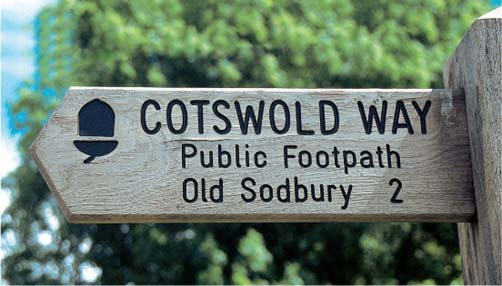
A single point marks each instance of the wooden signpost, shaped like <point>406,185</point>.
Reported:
<point>287,155</point>
<point>476,67</point>
<point>259,155</point>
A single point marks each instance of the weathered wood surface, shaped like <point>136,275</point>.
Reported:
<point>141,181</point>
<point>476,66</point>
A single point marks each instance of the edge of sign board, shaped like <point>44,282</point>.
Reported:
<point>42,169</point>
<point>264,218</point>
<point>275,89</point>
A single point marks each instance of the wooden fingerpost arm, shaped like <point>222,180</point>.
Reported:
<point>476,66</point>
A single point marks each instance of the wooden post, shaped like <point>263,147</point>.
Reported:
<point>476,66</point>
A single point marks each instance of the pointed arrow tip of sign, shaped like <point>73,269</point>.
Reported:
<point>37,151</point>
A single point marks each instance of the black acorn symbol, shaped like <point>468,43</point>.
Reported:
<point>96,118</point>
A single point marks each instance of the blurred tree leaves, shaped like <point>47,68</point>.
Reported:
<point>261,43</point>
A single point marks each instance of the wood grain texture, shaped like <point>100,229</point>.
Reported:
<point>476,66</point>
<point>141,181</point>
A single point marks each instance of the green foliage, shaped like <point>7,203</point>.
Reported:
<point>213,274</point>
<point>261,43</point>
<point>254,261</point>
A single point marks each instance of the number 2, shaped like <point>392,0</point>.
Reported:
<point>394,198</point>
